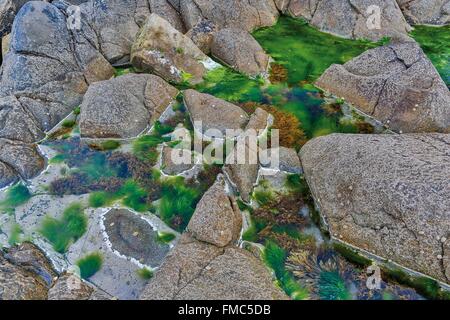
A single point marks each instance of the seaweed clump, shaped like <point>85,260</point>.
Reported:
<point>290,129</point>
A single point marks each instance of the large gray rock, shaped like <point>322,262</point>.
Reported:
<point>214,113</point>
<point>43,78</point>
<point>123,107</point>
<point>25,273</point>
<point>348,18</point>
<point>247,15</point>
<point>435,12</point>
<point>163,50</point>
<point>217,219</point>
<point>387,194</point>
<point>165,10</point>
<point>196,270</point>
<point>239,50</point>
<point>397,85</point>
<point>202,35</point>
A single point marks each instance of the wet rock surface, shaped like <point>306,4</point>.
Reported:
<point>397,85</point>
<point>133,237</point>
<point>374,199</point>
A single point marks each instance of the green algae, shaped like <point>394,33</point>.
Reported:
<point>165,237</point>
<point>332,286</point>
<point>145,273</point>
<point>15,196</point>
<point>435,42</point>
<point>15,235</point>
<point>304,51</point>
<point>90,265</point>
<point>62,233</point>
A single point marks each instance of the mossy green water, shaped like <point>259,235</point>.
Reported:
<point>435,42</point>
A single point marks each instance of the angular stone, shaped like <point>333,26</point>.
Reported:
<point>238,49</point>
<point>23,158</point>
<point>202,35</point>
<point>387,194</point>
<point>169,165</point>
<point>163,50</point>
<point>214,113</point>
<point>124,107</point>
<point>217,219</point>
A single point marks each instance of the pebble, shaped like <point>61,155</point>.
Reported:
<point>136,234</point>
<point>439,257</point>
<point>443,239</point>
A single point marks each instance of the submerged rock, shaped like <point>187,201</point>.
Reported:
<point>214,113</point>
<point>387,194</point>
<point>435,12</point>
<point>238,49</point>
<point>217,219</point>
<point>25,273</point>
<point>134,237</point>
<point>350,18</point>
<point>397,85</point>
<point>125,106</point>
<point>169,166</point>
<point>163,50</point>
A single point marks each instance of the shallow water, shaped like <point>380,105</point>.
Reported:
<point>124,176</point>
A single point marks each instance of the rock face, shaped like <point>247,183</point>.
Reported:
<point>8,10</point>
<point>245,15</point>
<point>397,85</point>
<point>238,49</point>
<point>163,50</point>
<point>25,273</point>
<point>43,78</point>
<point>349,18</point>
<point>436,12</point>
<point>214,113</point>
<point>387,194</point>
<point>217,219</point>
<point>288,160</point>
<point>124,107</point>
<point>198,269</point>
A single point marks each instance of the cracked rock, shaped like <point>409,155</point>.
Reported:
<point>398,205</point>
